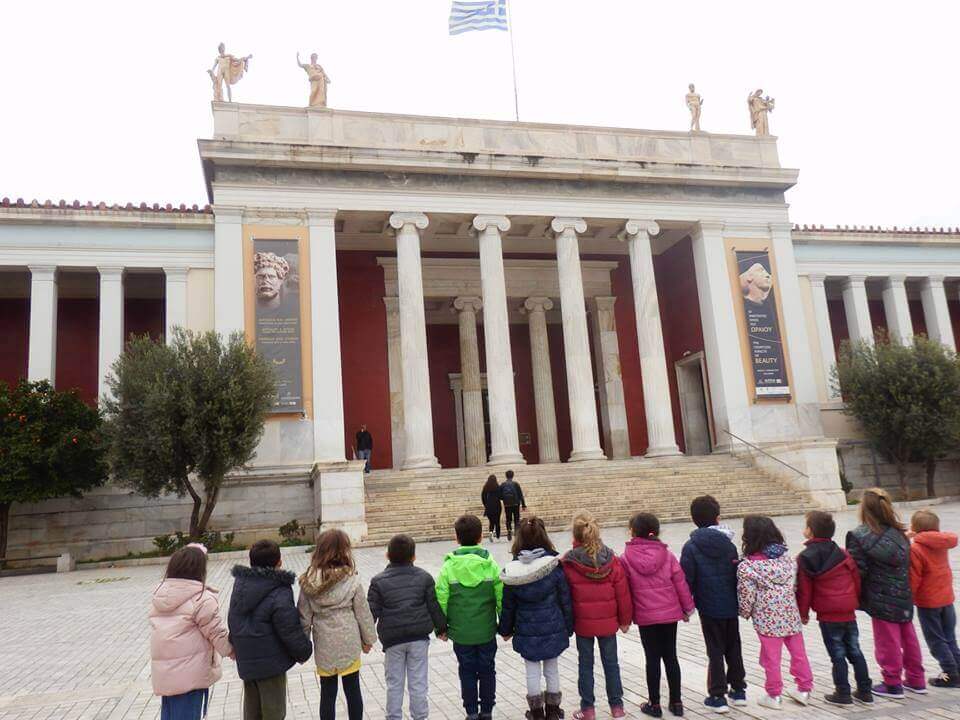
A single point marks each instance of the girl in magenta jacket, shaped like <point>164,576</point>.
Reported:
<point>661,599</point>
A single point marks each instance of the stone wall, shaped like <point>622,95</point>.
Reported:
<point>862,468</point>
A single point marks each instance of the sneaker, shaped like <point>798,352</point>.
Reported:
<point>676,708</point>
<point>837,698</point>
<point>916,689</point>
<point>616,711</point>
<point>891,691</point>
<point>486,716</point>
<point>473,717</point>
<point>651,710</point>
<point>801,697</point>
<point>945,680</point>
<point>737,697</point>
<point>585,714</point>
<point>717,703</point>
<point>863,696</point>
<point>768,701</point>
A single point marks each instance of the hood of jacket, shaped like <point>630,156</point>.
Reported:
<point>174,592</point>
<point>714,541</point>
<point>770,571</point>
<point>470,564</point>
<point>253,584</point>
<point>890,547</point>
<point>936,540</point>
<point>820,556</point>
<point>327,588</point>
<point>529,566</point>
<point>645,556</point>
<point>579,560</point>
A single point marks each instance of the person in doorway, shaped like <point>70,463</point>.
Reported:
<point>364,446</point>
<point>490,497</point>
<point>511,495</point>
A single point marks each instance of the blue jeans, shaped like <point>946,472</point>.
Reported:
<point>476,665</point>
<point>611,670</point>
<point>365,455</point>
<point>842,640</point>
<point>939,626</point>
<point>188,706</point>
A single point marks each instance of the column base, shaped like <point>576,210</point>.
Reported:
<point>422,462</point>
<point>582,455</point>
<point>507,459</point>
<point>663,451</point>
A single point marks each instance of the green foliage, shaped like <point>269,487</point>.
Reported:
<point>214,542</point>
<point>293,533</point>
<point>906,398</point>
<point>181,416</point>
<point>50,446</point>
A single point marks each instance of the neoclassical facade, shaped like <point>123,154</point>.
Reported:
<point>483,293</point>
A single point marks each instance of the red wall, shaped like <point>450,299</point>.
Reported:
<point>443,357</point>
<point>78,323</point>
<point>14,339</point>
<point>143,316</point>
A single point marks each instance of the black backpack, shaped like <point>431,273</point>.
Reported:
<point>508,494</point>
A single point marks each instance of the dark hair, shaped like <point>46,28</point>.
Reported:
<point>332,551</point>
<point>509,474</point>
<point>469,530</point>
<point>531,535</point>
<point>704,511</point>
<point>401,549</point>
<point>188,563</point>
<point>491,485</point>
<point>821,524</point>
<point>264,553</point>
<point>759,532</point>
<point>645,525</point>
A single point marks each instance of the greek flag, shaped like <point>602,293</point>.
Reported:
<point>477,15</point>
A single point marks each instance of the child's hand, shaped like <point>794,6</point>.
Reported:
<point>442,636</point>
<point>624,629</point>
<point>366,648</point>
<point>507,637</point>
<point>910,534</point>
<point>805,620</point>
<point>686,617</point>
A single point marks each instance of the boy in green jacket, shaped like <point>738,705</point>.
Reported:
<point>470,593</point>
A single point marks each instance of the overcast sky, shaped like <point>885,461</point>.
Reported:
<point>105,100</point>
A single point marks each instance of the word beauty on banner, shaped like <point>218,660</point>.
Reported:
<point>763,326</point>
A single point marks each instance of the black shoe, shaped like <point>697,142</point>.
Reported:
<point>945,680</point>
<point>838,698</point>
<point>486,716</point>
<point>676,708</point>
<point>651,709</point>
<point>864,696</point>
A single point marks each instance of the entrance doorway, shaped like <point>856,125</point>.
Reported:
<point>694,405</point>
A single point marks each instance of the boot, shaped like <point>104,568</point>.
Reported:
<point>552,702</point>
<point>536,707</point>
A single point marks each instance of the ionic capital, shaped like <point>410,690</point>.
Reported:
<point>855,281</point>
<point>418,220</point>
<point>635,227</point>
<point>482,222</point>
<point>817,279</point>
<point>537,304</point>
<point>602,303</point>
<point>468,304</point>
<point>561,225</point>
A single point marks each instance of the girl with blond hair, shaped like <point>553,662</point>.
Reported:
<point>601,606</point>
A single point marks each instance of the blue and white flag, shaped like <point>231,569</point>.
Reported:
<point>477,15</point>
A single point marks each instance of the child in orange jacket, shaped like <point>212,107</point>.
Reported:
<point>931,582</point>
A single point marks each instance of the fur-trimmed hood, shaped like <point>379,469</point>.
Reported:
<point>530,566</point>
<point>315,583</point>
<point>252,584</point>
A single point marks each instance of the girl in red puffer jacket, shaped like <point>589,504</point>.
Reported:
<point>601,605</point>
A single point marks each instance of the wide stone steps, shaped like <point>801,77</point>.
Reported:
<point>425,503</point>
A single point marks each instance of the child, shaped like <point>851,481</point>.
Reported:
<point>882,552</point>
<point>931,582</point>
<point>403,601</point>
<point>767,593</point>
<point>601,605</point>
<point>187,638</point>
<point>537,614</point>
<point>265,631</point>
<point>333,607</point>
<point>828,581</point>
<point>470,593</point>
<point>709,562</point>
<point>661,599</point>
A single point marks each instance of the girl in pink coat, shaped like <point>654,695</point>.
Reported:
<point>187,637</point>
<point>661,599</point>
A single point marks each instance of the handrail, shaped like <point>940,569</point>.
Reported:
<point>764,452</point>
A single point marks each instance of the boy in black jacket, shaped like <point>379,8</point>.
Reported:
<point>404,603</point>
<point>265,631</point>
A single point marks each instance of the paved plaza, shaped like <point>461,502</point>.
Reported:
<point>75,646</point>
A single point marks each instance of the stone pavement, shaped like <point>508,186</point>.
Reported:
<point>75,646</point>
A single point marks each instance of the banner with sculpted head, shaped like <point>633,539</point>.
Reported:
<point>276,283</point>
<point>763,327</point>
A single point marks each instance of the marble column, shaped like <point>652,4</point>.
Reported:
<point>857,310</point>
<point>536,309</point>
<point>474,437</point>
<point>897,309</point>
<point>228,270</point>
<point>501,396</point>
<point>328,425</point>
<point>935,311</point>
<point>606,357</point>
<point>576,343</point>
<point>821,313</point>
<point>417,417</point>
<point>661,436</point>
<point>42,352</point>
<point>111,323</point>
<point>395,379</point>
<point>175,299</point>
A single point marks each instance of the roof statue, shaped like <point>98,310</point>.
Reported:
<point>760,108</point>
<point>226,71</point>
<point>694,103</point>
<point>318,81</point>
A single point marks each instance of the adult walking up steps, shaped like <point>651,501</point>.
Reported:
<point>424,503</point>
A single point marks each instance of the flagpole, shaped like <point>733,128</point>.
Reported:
<point>513,59</point>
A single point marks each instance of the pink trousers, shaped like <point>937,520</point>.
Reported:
<point>898,653</point>
<point>771,649</point>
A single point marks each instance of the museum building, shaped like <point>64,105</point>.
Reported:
<point>481,295</point>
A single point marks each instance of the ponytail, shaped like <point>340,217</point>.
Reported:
<point>586,531</point>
